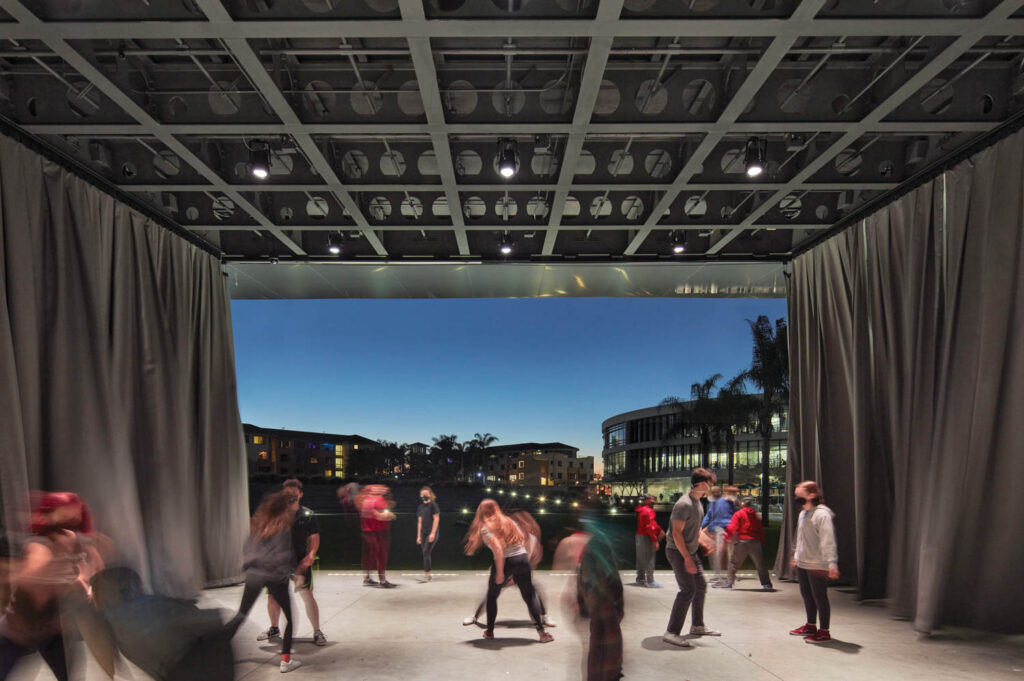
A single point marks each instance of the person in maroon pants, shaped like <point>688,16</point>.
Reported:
<point>375,520</point>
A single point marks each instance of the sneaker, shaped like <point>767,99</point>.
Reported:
<point>767,587</point>
<point>675,639</point>
<point>653,585</point>
<point>290,665</point>
<point>385,584</point>
<point>805,630</point>
<point>546,619</point>
<point>640,582</point>
<point>820,636</point>
<point>269,635</point>
<point>489,634</point>
<point>423,579</point>
<point>367,581</point>
<point>721,585</point>
<point>468,621</point>
<point>545,637</point>
<point>704,631</point>
<point>319,639</point>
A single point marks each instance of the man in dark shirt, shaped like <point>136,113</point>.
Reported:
<point>306,542</point>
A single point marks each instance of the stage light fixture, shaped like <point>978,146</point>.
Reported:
<point>259,159</point>
<point>508,157</point>
<point>755,156</point>
<point>333,245</point>
<point>505,245</point>
<point>678,243</point>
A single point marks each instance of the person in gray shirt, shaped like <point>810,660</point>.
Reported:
<point>681,545</point>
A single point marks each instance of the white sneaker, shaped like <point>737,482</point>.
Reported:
<point>704,631</point>
<point>546,619</point>
<point>675,639</point>
<point>468,621</point>
<point>290,665</point>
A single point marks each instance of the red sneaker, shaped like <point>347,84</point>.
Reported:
<point>806,630</point>
<point>820,636</point>
<point>488,634</point>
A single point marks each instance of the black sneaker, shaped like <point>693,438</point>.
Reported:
<point>385,584</point>
<point>269,635</point>
<point>367,581</point>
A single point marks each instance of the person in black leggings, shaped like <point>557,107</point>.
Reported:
<point>269,561</point>
<point>816,561</point>
<point>506,541</point>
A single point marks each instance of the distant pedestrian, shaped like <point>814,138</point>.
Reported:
<point>508,545</point>
<point>681,547</point>
<point>816,561</point>
<point>745,534</point>
<point>720,512</point>
<point>268,561</point>
<point>305,543</point>
<point>648,536</point>
<point>428,517</point>
<point>375,521</point>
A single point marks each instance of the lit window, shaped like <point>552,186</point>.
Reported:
<point>328,474</point>
<point>259,440</point>
<point>314,459</point>
<point>522,464</point>
<point>339,449</point>
<point>263,455</point>
<point>543,480</point>
<point>521,476</point>
<point>355,446</point>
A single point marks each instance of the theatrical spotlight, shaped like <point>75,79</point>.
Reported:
<point>333,245</point>
<point>259,159</point>
<point>508,157</point>
<point>505,245</point>
<point>755,156</point>
<point>678,243</point>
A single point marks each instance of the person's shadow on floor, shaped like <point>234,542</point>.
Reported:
<point>841,646</point>
<point>655,643</point>
<point>499,642</point>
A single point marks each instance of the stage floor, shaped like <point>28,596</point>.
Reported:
<point>415,632</point>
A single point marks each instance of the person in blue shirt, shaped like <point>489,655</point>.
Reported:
<point>720,511</point>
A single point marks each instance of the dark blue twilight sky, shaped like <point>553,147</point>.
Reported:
<point>525,370</point>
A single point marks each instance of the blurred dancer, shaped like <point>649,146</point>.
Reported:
<point>375,521</point>
<point>535,551</point>
<point>428,517</point>
<point>507,543</point>
<point>648,536</point>
<point>601,601</point>
<point>720,511</point>
<point>745,533</point>
<point>50,579</point>
<point>269,561</point>
<point>168,638</point>
<point>816,561</point>
<point>305,542</point>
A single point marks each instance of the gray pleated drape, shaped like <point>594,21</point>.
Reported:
<point>908,394</point>
<point>117,376</point>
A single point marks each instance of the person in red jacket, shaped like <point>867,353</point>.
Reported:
<point>747,533</point>
<point>648,535</point>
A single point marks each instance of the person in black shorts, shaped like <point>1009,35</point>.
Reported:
<point>306,542</point>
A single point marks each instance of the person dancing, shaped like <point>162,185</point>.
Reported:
<point>269,561</point>
<point>507,543</point>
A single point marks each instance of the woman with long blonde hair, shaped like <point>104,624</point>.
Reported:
<point>269,561</point>
<point>507,543</point>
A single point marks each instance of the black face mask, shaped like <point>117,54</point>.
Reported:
<point>424,499</point>
<point>800,501</point>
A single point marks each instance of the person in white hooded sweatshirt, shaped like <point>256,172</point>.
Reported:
<point>816,561</point>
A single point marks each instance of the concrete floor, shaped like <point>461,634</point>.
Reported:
<point>415,632</point>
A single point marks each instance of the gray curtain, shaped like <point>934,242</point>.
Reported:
<point>908,390</point>
<point>117,376</point>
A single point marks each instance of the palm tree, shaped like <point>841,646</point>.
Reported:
<point>443,453</point>
<point>701,412</point>
<point>769,371</point>
<point>476,447</point>
<point>735,407</point>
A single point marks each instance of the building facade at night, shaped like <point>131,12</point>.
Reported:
<point>302,453</point>
<point>532,464</point>
<point>638,455</point>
